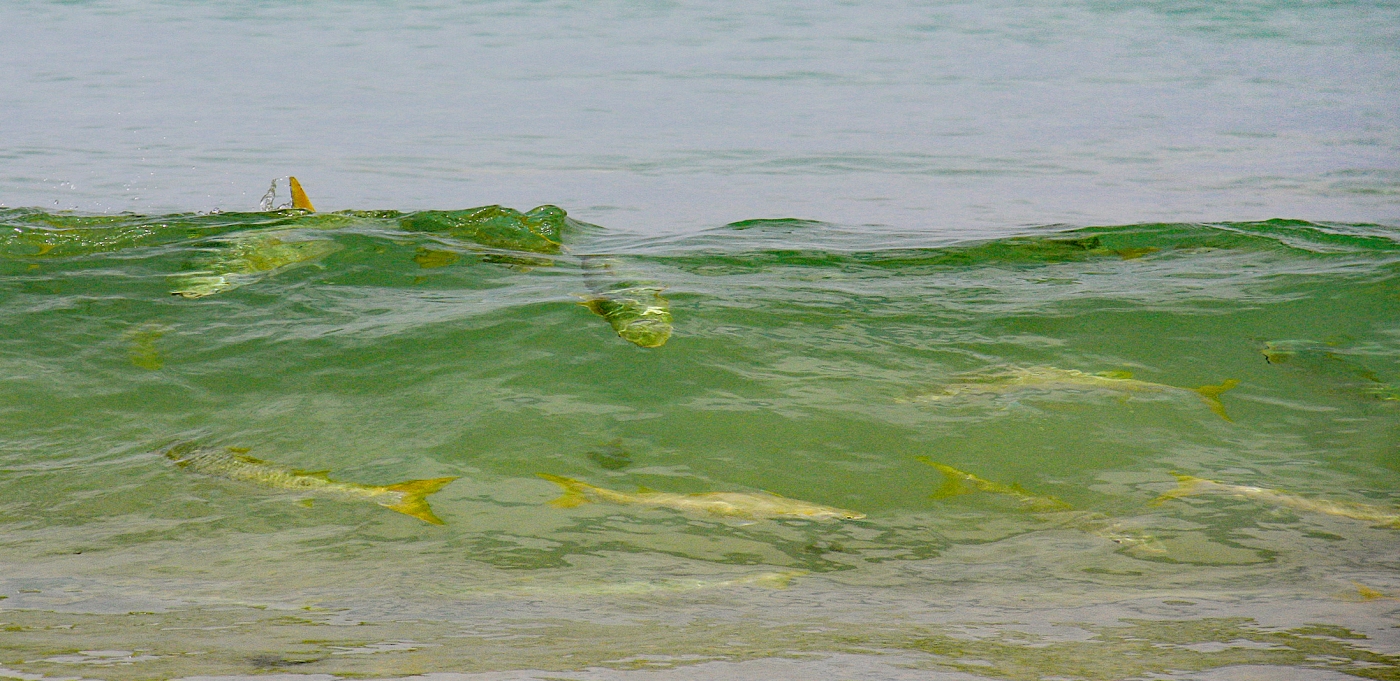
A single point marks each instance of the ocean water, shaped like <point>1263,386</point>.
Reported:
<point>1091,311</point>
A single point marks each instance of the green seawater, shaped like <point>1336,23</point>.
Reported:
<point>801,361</point>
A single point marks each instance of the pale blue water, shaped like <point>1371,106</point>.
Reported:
<point>978,190</point>
<point>659,116</point>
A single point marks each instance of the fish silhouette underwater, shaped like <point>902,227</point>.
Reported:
<point>1049,508</point>
<point>1189,485</point>
<point>635,310</point>
<point>745,505</point>
<point>408,497</point>
<point>1046,379</point>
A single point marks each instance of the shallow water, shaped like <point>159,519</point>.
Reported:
<point>822,373</point>
<point>871,229</point>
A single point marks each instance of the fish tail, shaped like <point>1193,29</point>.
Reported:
<point>1210,394</point>
<point>1186,485</point>
<point>299,198</point>
<point>573,491</point>
<point>955,482</point>
<point>413,502</point>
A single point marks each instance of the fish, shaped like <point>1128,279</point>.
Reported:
<point>1189,485</point>
<point>638,314</point>
<point>1098,524</point>
<point>1045,378</point>
<point>754,506</point>
<point>636,311</point>
<point>1332,364</point>
<point>777,580</point>
<point>958,482</point>
<point>408,497</point>
<point>248,259</point>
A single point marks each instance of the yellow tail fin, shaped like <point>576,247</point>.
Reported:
<point>1210,394</point>
<point>1186,485</point>
<point>299,199</point>
<point>413,502</point>
<point>573,491</point>
<point>955,482</point>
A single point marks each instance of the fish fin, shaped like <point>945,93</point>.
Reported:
<point>324,475</point>
<point>1115,374</point>
<point>306,502</point>
<point>954,480</point>
<point>414,502</point>
<point>240,450</point>
<point>1366,593</point>
<point>1210,394</point>
<point>1186,485</point>
<point>775,580</point>
<point>573,491</point>
<point>299,199</point>
<point>646,490</point>
<point>248,459</point>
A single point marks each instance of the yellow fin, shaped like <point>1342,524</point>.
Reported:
<point>240,450</point>
<point>1115,374</point>
<point>299,199</point>
<point>646,490</point>
<point>573,491</point>
<point>413,502</point>
<point>324,475</point>
<point>954,480</point>
<point>1366,593</point>
<point>1186,485</point>
<point>1210,394</point>
<point>305,502</point>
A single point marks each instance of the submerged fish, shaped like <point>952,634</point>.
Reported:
<point>958,482</point>
<point>1326,361</point>
<point>246,260</point>
<point>405,497</point>
<point>637,312</point>
<point>1188,485</point>
<point>731,504</point>
<point>1047,507</point>
<point>768,580</point>
<point>1044,378</point>
<point>639,315</point>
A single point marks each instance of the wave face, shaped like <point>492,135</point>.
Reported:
<point>816,361</point>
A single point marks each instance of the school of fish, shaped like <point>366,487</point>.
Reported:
<point>639,314</point>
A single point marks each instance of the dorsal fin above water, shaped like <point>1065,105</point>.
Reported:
<point>299,198</point>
